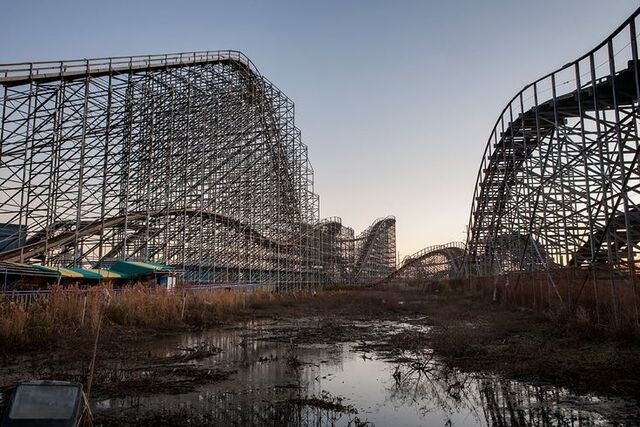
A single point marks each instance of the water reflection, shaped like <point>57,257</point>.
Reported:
<point>488,400</point>
<point>273,381</point>
<point>434,388</point>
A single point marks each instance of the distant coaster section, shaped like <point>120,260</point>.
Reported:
<point>434,263</point>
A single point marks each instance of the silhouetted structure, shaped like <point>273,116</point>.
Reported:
<point>559,181</point>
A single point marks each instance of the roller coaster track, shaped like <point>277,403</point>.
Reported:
<point>189,159</point>
<point>38,247</point>
<point>560,168</point>
<point>436,262</point>
<point>375,250</point>
<point>328,230</point>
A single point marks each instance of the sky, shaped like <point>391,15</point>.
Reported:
<point>395,99</point>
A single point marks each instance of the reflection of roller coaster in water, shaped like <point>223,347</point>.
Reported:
<point>192,160</point>
<point>493,401</point>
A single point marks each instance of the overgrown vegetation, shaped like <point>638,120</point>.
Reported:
<point>72,313</point>
<point>464,327</point>
<point>591,299</point>
<point>66,312</point>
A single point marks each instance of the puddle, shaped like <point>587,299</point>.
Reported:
<point>270,379</point>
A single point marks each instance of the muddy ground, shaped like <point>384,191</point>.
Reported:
<point>465,334</point>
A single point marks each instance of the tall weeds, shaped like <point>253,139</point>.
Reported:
<point>599,298</point>
<point>70,311</point>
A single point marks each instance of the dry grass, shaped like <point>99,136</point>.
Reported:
<point>73,313</point>
<point>588,298</point>
<point>62,312</point>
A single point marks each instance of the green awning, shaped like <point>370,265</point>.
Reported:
<point>61,271</point>
<point>119,270</point>
<point>87,274</point>
<point>107,274</point>
<point>163,267</point>
<point>130,269</point>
